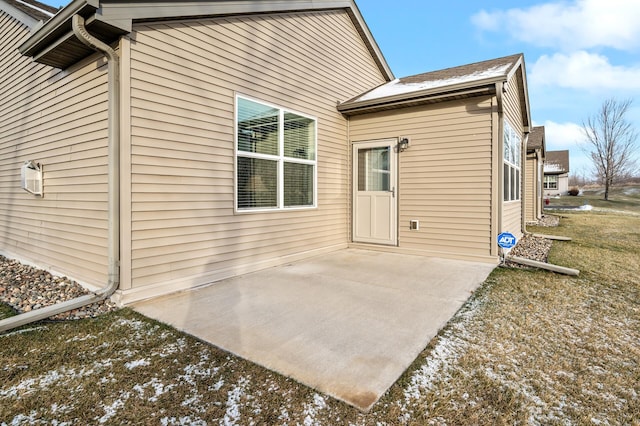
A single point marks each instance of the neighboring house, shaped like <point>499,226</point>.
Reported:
<point>556,173</point>
<point>534,178</point>
<point>209,143</point>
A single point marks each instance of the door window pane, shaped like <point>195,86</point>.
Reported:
<point>374,172</point>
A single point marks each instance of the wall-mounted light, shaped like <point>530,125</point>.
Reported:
<point>403,143</point>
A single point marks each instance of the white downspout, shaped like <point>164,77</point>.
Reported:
<point>113,244</point>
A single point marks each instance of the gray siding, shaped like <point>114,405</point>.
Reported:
<point>57,119</point>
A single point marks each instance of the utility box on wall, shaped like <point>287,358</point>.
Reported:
<point>31,177</point>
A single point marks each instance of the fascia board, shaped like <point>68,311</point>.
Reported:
<point>59,20</point>
<point>166,10</point>
<point>423,94</point>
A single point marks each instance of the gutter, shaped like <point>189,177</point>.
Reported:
<point>113,245</point>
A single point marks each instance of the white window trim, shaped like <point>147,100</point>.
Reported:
<point>506,161</point>
<point>548,180</point>
<point>280,158</point>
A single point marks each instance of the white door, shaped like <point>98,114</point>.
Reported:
<point>374,198</point>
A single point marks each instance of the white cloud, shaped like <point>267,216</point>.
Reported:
<point>561,136</point>
<point>580,24</point>
<point>583,70</point>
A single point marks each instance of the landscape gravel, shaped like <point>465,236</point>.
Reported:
<point>533,247</point>
<point>26,288</point>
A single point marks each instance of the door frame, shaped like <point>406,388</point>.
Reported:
<point>392,143</point>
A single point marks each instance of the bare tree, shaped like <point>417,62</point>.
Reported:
<point>611,143</point>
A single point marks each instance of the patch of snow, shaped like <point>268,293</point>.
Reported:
<point>24,330</point>
<point>137,363</point>
<point>553,168</point>
<point>396,87</point>
<point>112,410</point>
<point>158,389</point>
<point>311,410</point>
<point>217,385</point>
<point>81,339</point>
<point>166,421</point>
<point>232,415</point>
<point>21,419</point>
<point>586,207</point>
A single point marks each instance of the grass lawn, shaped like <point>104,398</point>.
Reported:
<point>530,347</point>
<point>625,198</point>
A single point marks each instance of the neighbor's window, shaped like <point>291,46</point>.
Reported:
<point>275,157</point>
<point>551,182</point>
<point>512,153</point>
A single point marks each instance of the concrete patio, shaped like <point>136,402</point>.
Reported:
<point>347,324</point>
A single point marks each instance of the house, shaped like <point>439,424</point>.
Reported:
<point>160,148</point>
<point>534,170</point>
<point>556,173</point>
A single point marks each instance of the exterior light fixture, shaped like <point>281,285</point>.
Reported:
<point>403,143</point>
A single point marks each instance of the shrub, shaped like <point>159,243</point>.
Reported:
<point>574,191</point>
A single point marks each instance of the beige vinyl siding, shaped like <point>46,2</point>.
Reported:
<point>57,119</point>
<point>444,176</point>
<point>184,78</point>
<point>512,210</point>
<point>530,187</point>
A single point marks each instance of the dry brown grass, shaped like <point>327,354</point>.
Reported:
<point>530,347</point>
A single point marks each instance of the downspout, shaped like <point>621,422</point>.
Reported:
<point>113,245</point>
<point>500,105</point>
<point>523,184</point>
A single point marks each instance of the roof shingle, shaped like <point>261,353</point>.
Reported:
<point>556,162</point>
<point>37,10</point>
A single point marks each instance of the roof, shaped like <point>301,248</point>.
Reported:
<point>55,44</point>
<point>29,12</point>
<point>464,81</point>
<point>556,162</point>
<point>536,139</point>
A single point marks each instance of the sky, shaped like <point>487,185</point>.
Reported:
<point>577,52</point>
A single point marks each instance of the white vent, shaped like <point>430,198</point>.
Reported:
<point>31,177</point>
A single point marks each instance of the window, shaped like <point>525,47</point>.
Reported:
<point>512,153</point>
<point>551,182</point>
<point>275,157</point>
<point>374,173</point>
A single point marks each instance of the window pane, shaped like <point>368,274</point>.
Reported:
<point>257,183</point>
<point>517,185</point>
<point>257,127</point>
<point>507,142</point>
<point>512,183</point>
<point>298,184</point>
<point>505,175</point>
<point>299,137</point>
<point>373,169</point>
